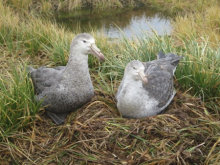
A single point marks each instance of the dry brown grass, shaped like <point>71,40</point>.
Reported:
<point>96,134</point>
<point>178,6</point>
<point>203,26</point>
<point>46,6</point>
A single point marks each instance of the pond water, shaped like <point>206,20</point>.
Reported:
<point>112,21</point>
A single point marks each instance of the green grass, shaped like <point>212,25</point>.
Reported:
<point>198,70</point>
<point>188,131</point>
<point>17,105</point>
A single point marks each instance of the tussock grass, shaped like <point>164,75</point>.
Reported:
<point>186,133</point>
<point>171,6</point>
<point>17,108</point>
<point>199,71</point>
<point>200,26</point>
<point>46,6</point>
<point>177,6</point>
<point>195,20</point>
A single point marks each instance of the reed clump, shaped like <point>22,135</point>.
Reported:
<point>200,26</point>
<point>46,6</point>
<point>17,106</point>
<point>182,7</point>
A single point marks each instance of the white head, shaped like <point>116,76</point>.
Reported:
<point>135,70</point>
<point>85,44</point>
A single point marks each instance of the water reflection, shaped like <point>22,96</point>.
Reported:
<point>130,21</point>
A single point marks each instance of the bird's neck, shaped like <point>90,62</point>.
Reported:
<point>132,80</point>
<point>77,65</point>
<point>133,84</point>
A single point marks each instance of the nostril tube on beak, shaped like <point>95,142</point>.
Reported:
<point>145,80</point>
<point>143,77</point>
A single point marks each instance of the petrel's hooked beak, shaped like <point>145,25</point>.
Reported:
<point>143,76</point>
<point>96,52</point>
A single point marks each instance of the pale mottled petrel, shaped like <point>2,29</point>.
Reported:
<point>147,88</point>
<point>66,88</point>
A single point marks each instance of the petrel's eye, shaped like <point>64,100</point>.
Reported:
<point>84,41</point>
<point>134,68</point>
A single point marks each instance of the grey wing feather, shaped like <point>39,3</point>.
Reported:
<point>44,77</point>
<point>173,58</point>
<point>119,89</point>
<point>160,87</point>
<point>160,81</point>
<point>160,77</point>
<point>161,55</point>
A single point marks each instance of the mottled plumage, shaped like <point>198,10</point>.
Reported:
<point>66,88</point>
<point>147,88</point>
